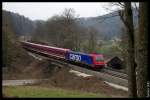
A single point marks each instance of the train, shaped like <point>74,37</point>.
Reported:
<point>94,60</point>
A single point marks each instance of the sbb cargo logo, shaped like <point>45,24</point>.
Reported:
<point>74,57</point>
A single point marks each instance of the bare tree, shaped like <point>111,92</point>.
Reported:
<point>92,38</point>
<point>40,32</point>
<point>126,17</point>
<point>64,30</point>
<point>55,30</point>
<point>142,50</point>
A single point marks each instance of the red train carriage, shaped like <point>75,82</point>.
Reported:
<point>48,50</point>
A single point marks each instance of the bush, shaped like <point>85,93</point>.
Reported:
<point>110,50</point>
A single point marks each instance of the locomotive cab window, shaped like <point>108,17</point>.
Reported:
<point>99,58</point>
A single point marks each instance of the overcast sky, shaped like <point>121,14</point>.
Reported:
<point>43,11</point>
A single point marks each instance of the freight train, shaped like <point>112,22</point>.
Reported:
<point>95,61</point>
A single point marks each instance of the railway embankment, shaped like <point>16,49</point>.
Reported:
<point>62,78</point>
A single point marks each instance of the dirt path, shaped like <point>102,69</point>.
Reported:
<point>17,82</point>
<point>21,82</point>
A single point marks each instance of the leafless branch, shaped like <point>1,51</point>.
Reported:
<point>122,17</point>
<point>109,9</point>
<point>118,4</point>
<point>136,6</point>
<point>121,4</point>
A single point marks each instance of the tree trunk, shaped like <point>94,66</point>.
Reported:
<point>130,50</point>
<point>142,50</point>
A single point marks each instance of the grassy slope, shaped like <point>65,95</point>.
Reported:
<point>37,92</point>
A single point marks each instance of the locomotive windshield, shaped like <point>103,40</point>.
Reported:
<point>99,58</point>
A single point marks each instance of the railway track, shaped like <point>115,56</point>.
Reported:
<point>115,73</point>
<point>121,71</point>
<point>102,75</point>
<point>105,74</point>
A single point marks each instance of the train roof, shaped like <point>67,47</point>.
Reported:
<point>78,52</point>
<point>96,54</point>
<point>47,46</point>
<point>81,53</point>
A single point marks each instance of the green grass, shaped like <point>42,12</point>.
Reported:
<point>43,92</point>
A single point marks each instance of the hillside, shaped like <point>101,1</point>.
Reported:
<point>110,27</point>
<point>14,57</point>
<point>20,24</point>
